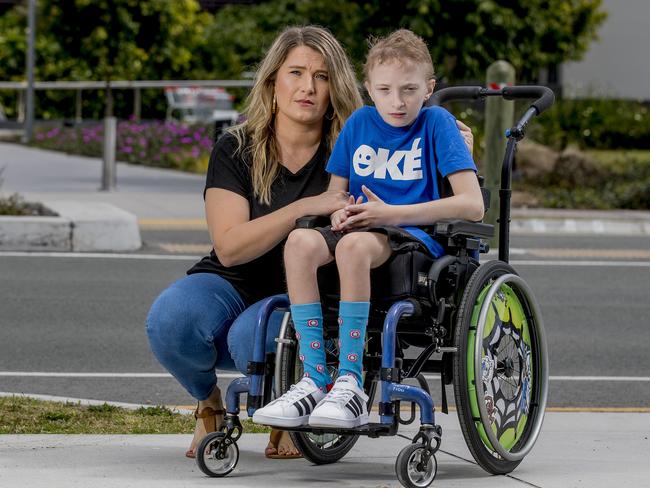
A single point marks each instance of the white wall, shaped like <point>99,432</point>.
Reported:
<point>618,64</point>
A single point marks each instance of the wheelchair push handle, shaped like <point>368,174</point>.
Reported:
<point>544,96</point>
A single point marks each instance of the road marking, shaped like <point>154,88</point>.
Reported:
<point>59,374</point>
<point>630,264</point>
<point>188,257</point>
<point>599,378</point>
<point>202,249</point>
<point>590,253</point>
<point>99,255</point>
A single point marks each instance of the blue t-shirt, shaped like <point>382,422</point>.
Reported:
<point>399,164</point>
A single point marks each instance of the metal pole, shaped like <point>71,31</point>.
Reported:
<point>499,116</point>
<point>78,108</point>
<point>137,104</point>
<point>110,141</point>
<point>29,108</point>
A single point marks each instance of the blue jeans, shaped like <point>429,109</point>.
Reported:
<point>201,323</point>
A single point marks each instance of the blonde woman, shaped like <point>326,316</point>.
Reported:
<point>262,176</point>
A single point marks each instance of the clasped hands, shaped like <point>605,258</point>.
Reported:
<point>356,214</point>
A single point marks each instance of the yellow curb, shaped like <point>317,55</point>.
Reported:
<point>166,224</point>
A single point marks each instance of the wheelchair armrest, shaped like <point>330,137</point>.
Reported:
<point>453,228</point>
<point>311,221</point>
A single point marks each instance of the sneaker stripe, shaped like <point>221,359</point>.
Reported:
<point>298,407</point>
<point>358,403</point>
<point>305,404</point>
<point>352,408</point>
<point>313,401</point>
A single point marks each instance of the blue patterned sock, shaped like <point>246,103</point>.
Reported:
<point>353,318</point>
<point>308,321</point>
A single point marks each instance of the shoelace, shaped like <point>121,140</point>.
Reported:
<point>296,391</point>
<point>339,395</point>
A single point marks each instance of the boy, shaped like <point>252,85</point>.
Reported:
<point>388,154</point>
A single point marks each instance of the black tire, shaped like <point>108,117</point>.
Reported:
<point>217,456</point>
<point>409,469</point>
<point>317,449</point>
<point>515,371</point>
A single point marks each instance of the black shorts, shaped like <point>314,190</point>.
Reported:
<point>398,239</point>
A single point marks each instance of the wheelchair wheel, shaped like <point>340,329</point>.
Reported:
<point>216,455</point>
<point>501,380</point>
<point>415,467</point>
<point>318,449</point>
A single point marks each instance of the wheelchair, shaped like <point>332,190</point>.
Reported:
<point>478,326</point>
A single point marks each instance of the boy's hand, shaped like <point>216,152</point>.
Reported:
<point>370,214</point>
<point>340,216</point>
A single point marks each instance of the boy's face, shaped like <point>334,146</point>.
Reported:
<point>399,89</point>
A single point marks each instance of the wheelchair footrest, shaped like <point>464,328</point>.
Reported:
<point>370,430</point>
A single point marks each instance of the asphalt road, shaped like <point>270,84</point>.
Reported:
<point>70,316</point>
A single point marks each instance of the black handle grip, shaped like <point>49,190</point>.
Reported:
<point>544,96</point>
<point>455,93</point>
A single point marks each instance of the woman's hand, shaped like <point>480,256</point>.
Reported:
<point>370,214</point>
<point>468,137</point>
<point>340,216</point>
<point>326,203</point>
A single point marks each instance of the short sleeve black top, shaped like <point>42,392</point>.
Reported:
<point>230,170</point>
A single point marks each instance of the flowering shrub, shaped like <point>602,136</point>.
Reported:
<point>161,144</point>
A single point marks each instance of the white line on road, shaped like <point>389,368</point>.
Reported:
<point>51,374</point>
<point>628,264</point>
<point>178,257</point>
<point>187,257</point>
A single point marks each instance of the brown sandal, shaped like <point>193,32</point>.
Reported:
<point>271,451</point>
<point>208,417</point>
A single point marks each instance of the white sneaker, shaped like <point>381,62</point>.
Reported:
<point>345,406</point>
<point>293,408</point>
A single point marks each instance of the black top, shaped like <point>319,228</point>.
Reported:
<point>263,276</point>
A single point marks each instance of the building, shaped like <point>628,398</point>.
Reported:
<point>618,64</point>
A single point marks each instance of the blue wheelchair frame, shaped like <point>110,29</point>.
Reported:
<point>258,382</point>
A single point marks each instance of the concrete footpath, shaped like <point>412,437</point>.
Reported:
<point>577,449</point>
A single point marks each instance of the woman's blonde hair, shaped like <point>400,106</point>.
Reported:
<point>256,134</point>
<point>401,45</point>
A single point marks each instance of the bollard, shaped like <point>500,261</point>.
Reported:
<point>110,141</point>
<point>499,116</point>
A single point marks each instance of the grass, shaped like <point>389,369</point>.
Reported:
<point>22,415</point>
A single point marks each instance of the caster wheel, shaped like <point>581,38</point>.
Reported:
<point>416,466</point>
<point>217,455</point>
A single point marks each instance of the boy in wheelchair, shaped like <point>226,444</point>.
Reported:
<point>388,157</point>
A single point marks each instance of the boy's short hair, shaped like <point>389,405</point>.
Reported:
<point>399,46</point>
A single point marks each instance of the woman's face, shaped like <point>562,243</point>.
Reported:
<point>302,87</point>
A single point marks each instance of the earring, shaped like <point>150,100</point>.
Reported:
<point>274,105</point>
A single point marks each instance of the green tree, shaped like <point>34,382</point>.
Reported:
<point>465,36</point>
<point>105,40</point>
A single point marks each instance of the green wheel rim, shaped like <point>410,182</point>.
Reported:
<point>507,367</point>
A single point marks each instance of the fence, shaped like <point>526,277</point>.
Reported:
<point>136,85</point>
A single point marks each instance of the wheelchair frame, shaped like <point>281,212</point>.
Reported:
<point>416,465</point>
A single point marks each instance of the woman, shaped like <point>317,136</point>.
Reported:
<point>263,175</point>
